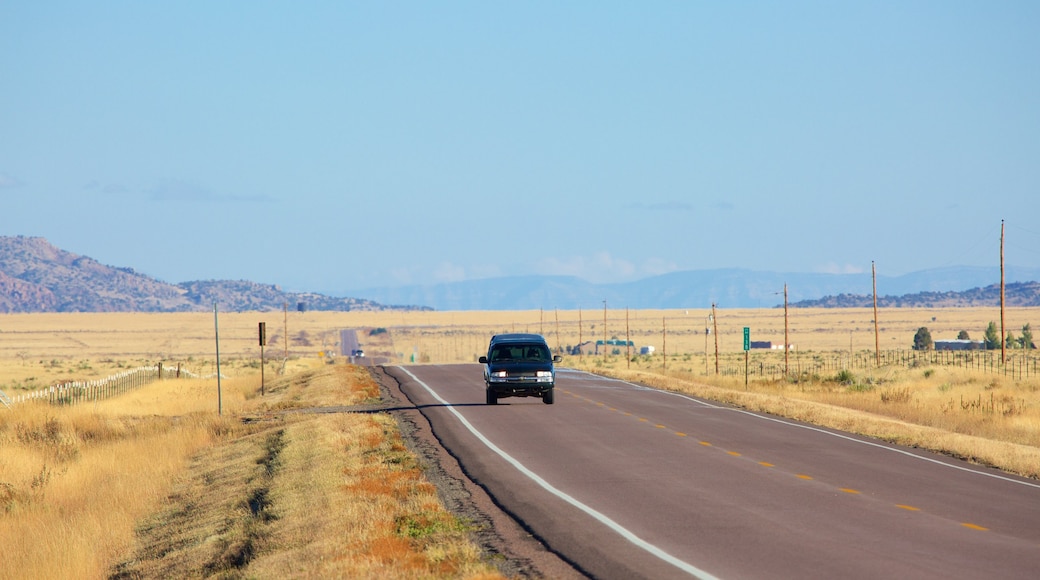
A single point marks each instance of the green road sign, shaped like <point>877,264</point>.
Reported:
<point>747,338</point>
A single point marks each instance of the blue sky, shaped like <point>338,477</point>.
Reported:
<point>334,146</point>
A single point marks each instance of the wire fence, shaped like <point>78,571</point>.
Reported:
<point>72,392</point>
<point>1019,365</point>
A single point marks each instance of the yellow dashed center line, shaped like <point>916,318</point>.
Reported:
<point>802,476</point>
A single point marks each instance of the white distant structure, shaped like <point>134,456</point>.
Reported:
<point>769,344</point>
<point>960,344</point>
<point>647,350</point>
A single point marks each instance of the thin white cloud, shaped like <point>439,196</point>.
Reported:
<point>833,268</point>
<point>8,181</point>
<point>178,190</point>
<point>106,188</point>
<point>603,267</point>
<point>665,206</point>
<point>448,272</point>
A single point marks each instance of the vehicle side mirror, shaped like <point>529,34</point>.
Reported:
<point>557,359</point>
<point>482,360</point>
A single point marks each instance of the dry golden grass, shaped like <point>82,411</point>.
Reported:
<point>31,343</point>
<point>73,481</point>
<point>253,493</point>
<point>139,444</point>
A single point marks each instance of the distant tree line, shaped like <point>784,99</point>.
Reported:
<point>923,338</point>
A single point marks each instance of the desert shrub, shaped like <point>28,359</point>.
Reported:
<point>845,377</point>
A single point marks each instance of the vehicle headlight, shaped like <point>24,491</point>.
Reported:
<point>544,376</point>
<point>499,375</point>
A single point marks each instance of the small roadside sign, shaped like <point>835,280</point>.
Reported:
<point>747,338</point>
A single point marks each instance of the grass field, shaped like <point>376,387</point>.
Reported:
<point>155,484</point>
<point>165,441</point>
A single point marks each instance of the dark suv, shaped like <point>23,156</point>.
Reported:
<point>519,365</point>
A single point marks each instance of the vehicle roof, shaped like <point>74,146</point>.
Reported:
<point>518,337</point>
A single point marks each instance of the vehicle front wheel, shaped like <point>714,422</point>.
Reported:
<point>547,397</point>
<point>492,398</point>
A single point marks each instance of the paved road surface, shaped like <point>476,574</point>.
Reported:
<point>629,482</point>
<point>348,343</point>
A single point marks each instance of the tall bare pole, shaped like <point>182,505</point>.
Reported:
<point>628,341</point>
<point>787,341</point>
<point>604,331</point>
<point>557,330</point>
<point>877,336</point>
<point>715,323</point>
<point>664,342</point>
<point>285,311</point>
<point>216,335</point>
<point>581,349</point>
<point>1003,335</point>
<point>707,331</point>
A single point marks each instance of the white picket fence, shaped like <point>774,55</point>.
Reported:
<point>78,391</point>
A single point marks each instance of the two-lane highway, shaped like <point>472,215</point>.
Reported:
<point>626,481</point>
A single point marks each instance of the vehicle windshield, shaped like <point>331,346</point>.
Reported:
<point>520,353</point>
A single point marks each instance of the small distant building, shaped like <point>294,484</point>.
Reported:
<point>648,349</point>
<point>769,344</point>
<point>596,348</point>
<point>960,344</point>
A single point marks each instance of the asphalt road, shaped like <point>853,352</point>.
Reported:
<point>629,482</point>
<point>348,344</point>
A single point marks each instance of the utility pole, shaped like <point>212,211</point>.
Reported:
<point>604,331</point>
<point>877,337</point>
<point>628,341</point>
<point>216,336</point>
<point>715,322</point>
<point>707,331</point>
<point>787,341</point>
<point>1003,335</point>
<point>557,311</point>
<point>581,347</point>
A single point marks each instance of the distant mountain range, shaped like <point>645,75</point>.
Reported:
<point>35,276</point>
<point>728,288</point>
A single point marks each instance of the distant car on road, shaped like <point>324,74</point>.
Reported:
<point>519,365</point>
<point>357,352</point>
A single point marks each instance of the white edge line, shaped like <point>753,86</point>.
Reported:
<point>790,423</point>
<point>620,530</point>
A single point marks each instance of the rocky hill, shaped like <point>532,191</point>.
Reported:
<point>35,276</point>
<point>1015,294</point>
